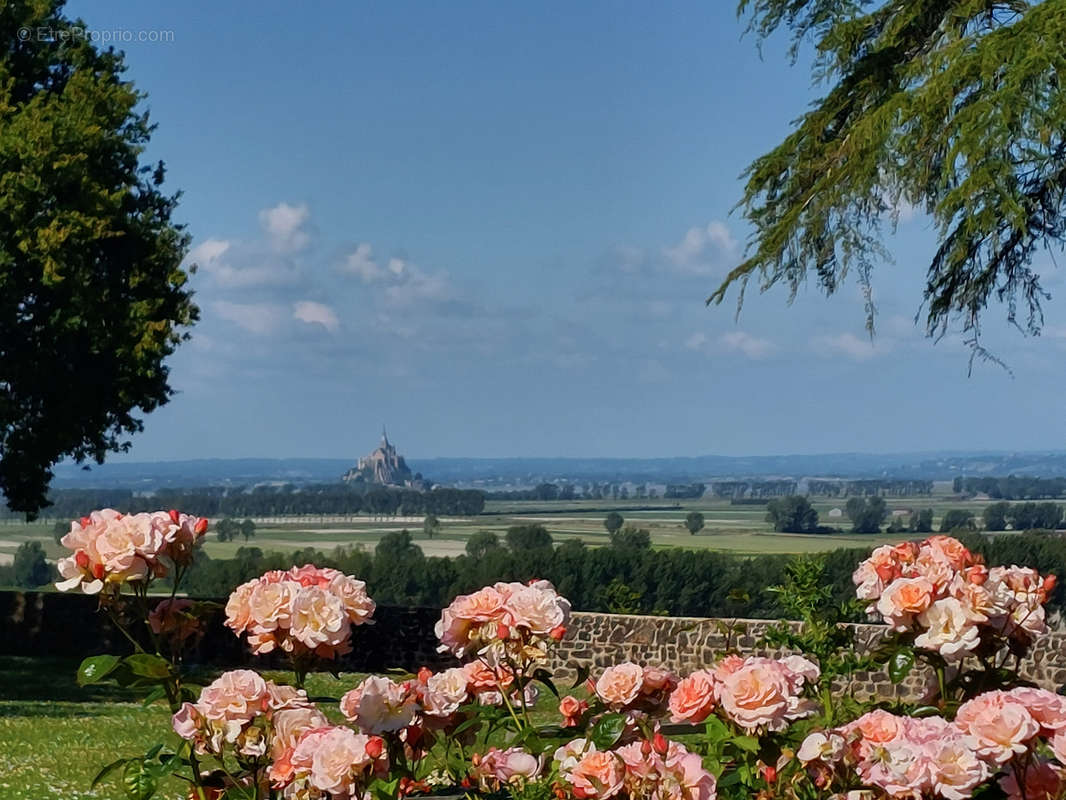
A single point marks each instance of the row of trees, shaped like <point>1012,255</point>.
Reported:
<point>625,577</point>
<point>1012,487</point>
<point>274,501</point>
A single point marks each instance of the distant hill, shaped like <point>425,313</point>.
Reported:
<point>515,472</point>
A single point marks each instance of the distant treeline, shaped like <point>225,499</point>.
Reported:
<point>1012,487</point>
<point>270,501</point>
<point>600,491</point>
<point>879,487</point>
<point>619,578</point>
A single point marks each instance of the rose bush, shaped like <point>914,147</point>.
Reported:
<point>749,726</point>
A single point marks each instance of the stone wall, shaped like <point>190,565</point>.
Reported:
<point>68,626</point>
<point>684,644</point>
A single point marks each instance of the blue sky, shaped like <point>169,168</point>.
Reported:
<point>493,226</point>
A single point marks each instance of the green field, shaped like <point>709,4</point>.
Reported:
<point>735,528</point>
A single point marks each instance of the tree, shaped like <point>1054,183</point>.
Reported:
<point>397,546</point>
<point>481,544</point>
<point>227,529</point>
<point>430,526</point>
<point>994,516</point>
<point>30,566</point>
<point>792,514</point>
<point>922,522</point>
<point>694,522</point>
<point>954,107</point>
<point>93,298</point>
<point>957,519</point>
<point>613,522</point>
<point>866,513</point>
<point>247,528</point>
<point>631,538</point>
<point>522,538</point>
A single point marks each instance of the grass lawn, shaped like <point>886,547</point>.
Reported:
<point>55,735</point>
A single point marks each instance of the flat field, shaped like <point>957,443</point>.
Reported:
<point>735,528</point>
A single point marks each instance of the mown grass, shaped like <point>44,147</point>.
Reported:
<point>55,736</point>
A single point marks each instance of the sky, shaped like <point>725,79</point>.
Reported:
<point>492,227</point>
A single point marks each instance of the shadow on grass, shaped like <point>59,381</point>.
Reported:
<point>36,679</point>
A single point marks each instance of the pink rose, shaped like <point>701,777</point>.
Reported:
<point>620,685</point>
<point>379,705</point>
<point>571,710</point>
<point>999,727</point>
<point>239,694</point>
<point>1043,781</point>
<point>694,698</point>
<point>445,692</point>
<point>903,599</point>
<point>762,694</point>
<point>320,621</point>
<point>948,629</point>
<point>597,775</point>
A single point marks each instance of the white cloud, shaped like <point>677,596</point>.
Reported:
<point>702,249</point>
<point>696,341</point>
<point>316,314</point>
<point>404,283</point>
<point>751,346</point>
<point>848,344</point>
<point>208,253</point>
<point>284,225</point>
<point>736,341</point>
<point>361,262</point>
<point>258,318</point>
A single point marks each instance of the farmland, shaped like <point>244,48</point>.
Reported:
<point>740,529</point>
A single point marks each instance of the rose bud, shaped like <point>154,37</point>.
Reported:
<point>375,746</point>
<point>175,517</point>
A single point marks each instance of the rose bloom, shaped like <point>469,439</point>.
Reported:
<point>949,550</point>
<point>998,727</point>
<point>1058,747</point>
<point>597,775</point>
<point>903,599</point>
<point>239,694</point>
<point>656,678</point>
<point>948,629</point>
<point>727,666</point>
<point>379,705</point>
<point>571,710</point>
<point>353,596</point>
<point>538,608</point>
<point>821,746</point>
<point>445,692</point>
<point>320,622</point>
<point>460,622</point>
<point>758,695</point>
<point>512,766</point>
<point>620,685</point>
<point>1047,708</point>
<point>172,618</point>
<point>693,699</point>
<point>1043,781</point>
<point>270,604</point>
<point>333,759</point>
<point>955,769</point>
<point>684,777</point>
<point>481,677</point>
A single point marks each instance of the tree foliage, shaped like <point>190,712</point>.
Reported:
<point>694,522</point>
<point>93,298</point>
<point>613,522</point>
<point>953,107</point>
<point>867,514</point>
<point>30,566</point>
<point>793,514</point>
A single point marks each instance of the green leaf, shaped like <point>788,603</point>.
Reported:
<point>139,780</point>
<point>582,676</point>
<point>900,665</point>
<point>96,668</point>
<point>607,731</point>
<point>545,677</point>
<point>158,693</point>
<point>749,743</point>
<point>146,665</point>
<point>103,773</point>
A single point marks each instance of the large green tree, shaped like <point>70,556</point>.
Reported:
<point>955,107</point>
<point>92,294</point>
